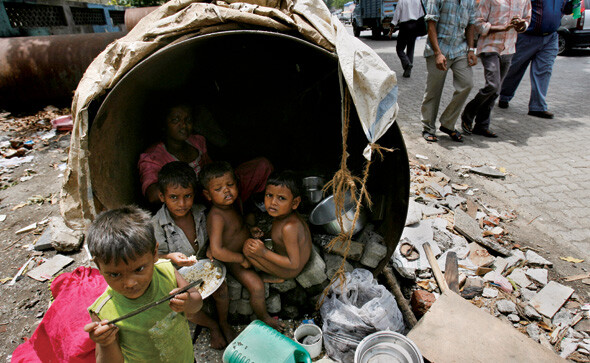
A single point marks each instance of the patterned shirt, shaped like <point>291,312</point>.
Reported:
<point>451,17</point>
<point>500,12</point>
<point>171,238</point>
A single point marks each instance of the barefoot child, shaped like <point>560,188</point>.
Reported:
<point>180,229</point>
<point>227,233</point>
<point>125,251</point>
<point>290,234</point>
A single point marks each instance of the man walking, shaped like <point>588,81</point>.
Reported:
<point>406,15</point>
<point>449,46</point>
<point>498,22</point>
<point>537,46</point>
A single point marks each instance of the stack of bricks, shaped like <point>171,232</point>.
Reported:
<point>298,297</point>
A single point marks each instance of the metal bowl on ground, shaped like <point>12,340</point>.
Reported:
<point>387,346</point>
<point>324,214</point>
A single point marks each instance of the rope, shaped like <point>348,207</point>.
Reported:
<point>344,186</point>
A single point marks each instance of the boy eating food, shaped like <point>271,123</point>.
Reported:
<point>290,234</point>
<point>227,233</point>
<point>181,231</point>
<point>124,249</point>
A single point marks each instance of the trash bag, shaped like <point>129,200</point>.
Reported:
<point>354,310</point>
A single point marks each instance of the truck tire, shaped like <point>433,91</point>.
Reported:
<point>355,29</point>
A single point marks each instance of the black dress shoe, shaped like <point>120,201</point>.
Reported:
<point>503,104</point>
<point>408,71</point>
<point>541,114</point>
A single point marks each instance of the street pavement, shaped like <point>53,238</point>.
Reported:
<point>547,161</point>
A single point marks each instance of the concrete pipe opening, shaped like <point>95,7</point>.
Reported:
<point>258,94</point>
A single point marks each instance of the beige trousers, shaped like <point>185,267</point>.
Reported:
<point>435,82</point>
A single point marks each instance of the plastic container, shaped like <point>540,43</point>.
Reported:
<point>304,330</point>
<point>261,343</point>
<point>387,346</point>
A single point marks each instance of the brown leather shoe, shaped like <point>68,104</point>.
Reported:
<point>541,114</point>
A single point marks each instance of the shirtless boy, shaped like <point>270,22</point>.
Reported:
<point>290,234</point>
<point>227,233</point>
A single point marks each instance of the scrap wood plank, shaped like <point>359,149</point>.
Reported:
<point>469,228</point>
<point>454,330</point>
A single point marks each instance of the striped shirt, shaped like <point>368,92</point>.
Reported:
<point>500,12</point>
<point>451,17</point>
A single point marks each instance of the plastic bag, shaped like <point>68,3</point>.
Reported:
<point>359,308</point>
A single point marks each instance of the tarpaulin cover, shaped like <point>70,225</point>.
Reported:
<point>372,85</point>
<point>60,337</point>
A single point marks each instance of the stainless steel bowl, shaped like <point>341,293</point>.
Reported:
<point>314,195</point>
<point>313,182</point>
<point>387,346</point>
<point>324,214</point>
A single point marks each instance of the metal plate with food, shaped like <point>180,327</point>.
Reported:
<point>211,272</point>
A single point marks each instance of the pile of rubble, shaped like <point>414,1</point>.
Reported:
<point>509,281</point>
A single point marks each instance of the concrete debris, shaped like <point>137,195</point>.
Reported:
<point>506,306</point>
<point>538,275</point>
<point>534,258</point>
<point>533,331</point>
<point>531,313</point>
<point>414,213</point>
<point>487,171</point>
<point>514,318</point>
<point>453,201</point>
<point>526,294</point>
<point>513,260</point>
<point>469,227</point>
<point>550,299</point>
<point>49,268</point>
<point>63,238</point>
<point>490,293</point>
<point>479,255</point>
<point>473,287</point>
<point>520,278</point>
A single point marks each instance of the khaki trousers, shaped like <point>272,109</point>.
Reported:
<point>435,82</point>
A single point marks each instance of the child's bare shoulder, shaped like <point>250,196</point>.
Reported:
<point>292,224</point>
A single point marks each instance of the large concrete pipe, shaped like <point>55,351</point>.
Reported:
<point>265,94</point>
<point>134,15</point>
<point>46,69</point>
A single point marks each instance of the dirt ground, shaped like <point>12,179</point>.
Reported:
<point>29,193</point>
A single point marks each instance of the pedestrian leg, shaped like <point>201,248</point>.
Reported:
<point>463,82</point>
<point>435,81</point>
<point>526,47</point>
<point>541,69</point>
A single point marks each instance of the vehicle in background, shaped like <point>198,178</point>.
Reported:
<point>575,33</point>
<point>346,15</point>
<point>375,15</point>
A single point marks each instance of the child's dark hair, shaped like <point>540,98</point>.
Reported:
<point>177,173</point>
<point>286,179</point>
<point>215,170</point>
<point>121,234</point>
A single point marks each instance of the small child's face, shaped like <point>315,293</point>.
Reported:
<point>279,201</point>
<point>178,199</point>
<point>130,280</point>
<point>222,191</point>
<point>179,123</point>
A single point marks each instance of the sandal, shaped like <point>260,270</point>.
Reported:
<point>466,125</point>
<point>454,134</point>
<point>429,137</point>
<point>409,251</point>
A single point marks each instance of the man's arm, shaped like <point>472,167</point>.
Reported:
<point>441,60</point>
<point>469,35</point>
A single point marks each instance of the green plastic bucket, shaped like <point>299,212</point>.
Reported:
<point>259,343</point>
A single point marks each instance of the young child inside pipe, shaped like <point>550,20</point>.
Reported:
<point>180,229</point>
<point>228,232</point>
<point>290,234</point>
<point>123,246</point>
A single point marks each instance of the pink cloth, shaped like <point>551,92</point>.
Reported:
<point>500,12</point>
<point>60,337</point>
<point>156,156</point>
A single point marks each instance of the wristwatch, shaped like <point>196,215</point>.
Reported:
<point>473,50</point>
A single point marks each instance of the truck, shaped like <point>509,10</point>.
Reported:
<point>375,15</point>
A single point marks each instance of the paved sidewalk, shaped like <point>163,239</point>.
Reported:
<point>547,161</point>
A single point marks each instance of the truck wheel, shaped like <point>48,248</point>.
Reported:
<point>356,30</point>
<point>562,47</point>
<point>376,32</point>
